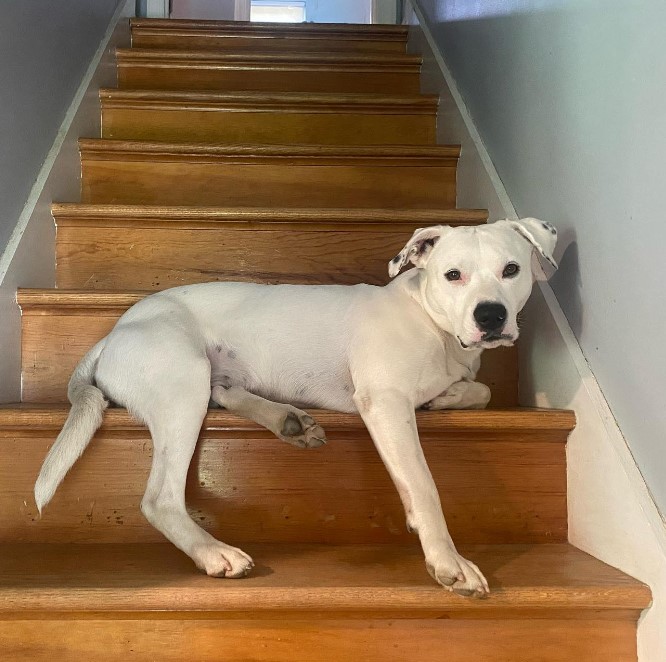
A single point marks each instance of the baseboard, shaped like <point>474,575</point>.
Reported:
<point>611,512</point>
<point>29,257</point>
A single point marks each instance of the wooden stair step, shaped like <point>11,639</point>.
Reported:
<point>265,117</point>
<point>126,172</point>
<point>501,475</point>
<point>245,36</point>
<point>60,326</point>
<point>302,602</point>
<point>113,246</point>
<point>270,71</point>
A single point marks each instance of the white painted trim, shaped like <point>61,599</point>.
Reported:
<point>157,8</point>
<point>242,10</point>
<point>28,260</point>
<point>611,512</point>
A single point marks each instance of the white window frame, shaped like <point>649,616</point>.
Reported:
<point>242,10</point>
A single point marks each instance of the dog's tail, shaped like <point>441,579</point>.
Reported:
<point>85,417</point>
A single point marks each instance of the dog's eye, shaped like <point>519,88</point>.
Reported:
<point>510,270</point>
<point>452,274</point>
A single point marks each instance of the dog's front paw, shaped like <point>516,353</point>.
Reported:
<point>457,574</point>
<point>301,430</point>
<point>461,395</point>
<point>219,560</point>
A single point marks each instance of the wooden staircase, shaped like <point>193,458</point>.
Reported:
<point>297,154</point>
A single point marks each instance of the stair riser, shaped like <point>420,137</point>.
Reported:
<point>251,487</point>
<point>268,184</point>
<point>100,257</point>
<point>257,77</point>
<point>379,639</point>
<point>184,40</point>
<point>54,340</point>
<point>269,127</point>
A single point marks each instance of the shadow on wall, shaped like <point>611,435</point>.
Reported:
<point>568,279</point>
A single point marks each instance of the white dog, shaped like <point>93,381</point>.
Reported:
<point>378,351</point>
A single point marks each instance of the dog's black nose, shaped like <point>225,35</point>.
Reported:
<point>490,316</point>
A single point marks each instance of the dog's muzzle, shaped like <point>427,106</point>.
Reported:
<point>490,317</point>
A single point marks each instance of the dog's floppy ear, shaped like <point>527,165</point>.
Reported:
<point>417,249</point>
<point>542,235</point>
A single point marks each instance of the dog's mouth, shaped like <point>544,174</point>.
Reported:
<point>489,341</point>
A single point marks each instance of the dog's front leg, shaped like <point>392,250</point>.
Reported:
<point>391,421</point>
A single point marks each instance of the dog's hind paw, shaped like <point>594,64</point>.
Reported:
<point>302,431</point>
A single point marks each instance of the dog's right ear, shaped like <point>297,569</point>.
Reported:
<point>417,250</point>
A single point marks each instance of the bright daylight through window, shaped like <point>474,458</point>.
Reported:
<point>287,11</point>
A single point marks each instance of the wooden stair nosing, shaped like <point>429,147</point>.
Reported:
<point>357,580</point>
<point>52,417</point>
<point>275,61</point>
<point>317,30</point>
<point>262,102</point>
<point>351,220</point>
<point>424,155</point>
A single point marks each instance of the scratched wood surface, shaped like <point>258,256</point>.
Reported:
<point>375,641</point>
<point>281,176</point>
<point>324,119</point>
<point>498,485</point>
<point>268,72</point>
<point>237,36</point>
<point>114,247</point>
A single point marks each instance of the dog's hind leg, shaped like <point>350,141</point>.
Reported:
<point>175,429</point>
<point>286,422</point>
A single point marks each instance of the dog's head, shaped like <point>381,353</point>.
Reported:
<point>475,280</point>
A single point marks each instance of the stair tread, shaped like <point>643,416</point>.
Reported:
<point>262,99</point>
<point>272,59</point>
<point>89,146</point>
<point>354,578</point>
<point>52,416</point>
<point>245,27</point>
<point>65,213</point>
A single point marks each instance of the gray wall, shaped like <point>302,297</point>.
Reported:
<point>221,10</point>
<point>569,97</point>
<point>45,48</point>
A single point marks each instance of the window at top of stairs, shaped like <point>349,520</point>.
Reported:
<point>285,11</point>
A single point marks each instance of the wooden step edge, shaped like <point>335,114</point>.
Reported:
<point>120,580</point>
<point>230,28</point>
<point>268,101</point>
<point>351,220</point>
<point>96,149</point>
<point>274,59</point>
<point>30,417</point>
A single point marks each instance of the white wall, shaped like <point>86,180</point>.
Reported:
<point>55,60</point>
<point>45,48</point>
<point>611,514</point>
<point>569,98</point>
